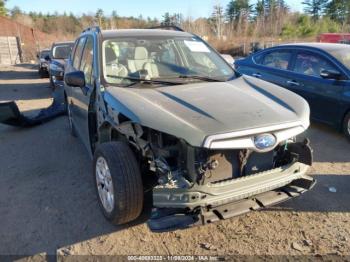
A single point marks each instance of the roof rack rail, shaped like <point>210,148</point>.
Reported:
<point>92,28</point>
<point>168,27</point>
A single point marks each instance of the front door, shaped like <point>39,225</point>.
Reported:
<point>323,95</point>
<point>81,96</point>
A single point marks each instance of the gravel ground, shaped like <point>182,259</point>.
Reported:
<point>48,204</point>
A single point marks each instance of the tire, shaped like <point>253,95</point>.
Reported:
<point>126,183</point>
<point>346,125</point>
<point>72,129</point>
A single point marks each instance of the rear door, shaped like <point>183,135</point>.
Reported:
<point>323,95</point>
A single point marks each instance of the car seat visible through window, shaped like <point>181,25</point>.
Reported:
<point>140,59</point>
<point>113,67</point>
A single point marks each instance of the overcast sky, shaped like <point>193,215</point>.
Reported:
<point>151,8</point>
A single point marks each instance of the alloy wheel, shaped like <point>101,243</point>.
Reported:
<point>104,184</point>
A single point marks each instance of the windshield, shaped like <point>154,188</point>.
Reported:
<point>343,55</point>
<point>44,54</point>
<point>162,58</point>
<point>62,51</point>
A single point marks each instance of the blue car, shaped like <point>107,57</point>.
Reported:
<point>318,72</point>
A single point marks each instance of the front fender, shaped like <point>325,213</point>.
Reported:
<point>117,110</point>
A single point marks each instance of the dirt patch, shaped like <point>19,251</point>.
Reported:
<point>48,203</point>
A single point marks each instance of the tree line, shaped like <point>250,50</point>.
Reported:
<point>239,19</point>
<point>275,18</point>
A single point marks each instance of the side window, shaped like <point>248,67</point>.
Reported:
<point>277,59</point>
<point>73,50</point>
<point>258,58</point>
<point>78,52</point>
<point>87,60</point>
<point>311,64</point>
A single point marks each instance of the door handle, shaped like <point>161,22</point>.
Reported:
<point>257,75</point>
<point>293,83</point>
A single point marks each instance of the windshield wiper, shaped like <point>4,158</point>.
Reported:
<point>203,78</point>
<point>148,81</point>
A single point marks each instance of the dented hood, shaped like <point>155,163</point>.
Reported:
<point>195,111</point>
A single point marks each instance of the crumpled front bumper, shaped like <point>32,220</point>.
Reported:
<point>262,200</point>
<point>229,191</point>
<point>213,202</point>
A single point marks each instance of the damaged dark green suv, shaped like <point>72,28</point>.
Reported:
<point>161,111</point>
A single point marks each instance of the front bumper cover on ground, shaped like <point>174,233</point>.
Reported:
<point>11,115</point>
<point>228,199</point>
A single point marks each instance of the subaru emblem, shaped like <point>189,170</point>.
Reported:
<point>265,141</point>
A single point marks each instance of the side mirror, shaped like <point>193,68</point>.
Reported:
<point>331,74</point>
<point>47,58</point>
<point>76,79</point>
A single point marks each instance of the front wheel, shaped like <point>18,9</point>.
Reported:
<point>346,125</point>
<point>118,182</point>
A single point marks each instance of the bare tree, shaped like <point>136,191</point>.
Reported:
<point>217,19</point>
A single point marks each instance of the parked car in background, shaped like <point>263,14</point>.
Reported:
<point>43,65</point>
<point>229,59</point>
<point>345,42</point>
<point>318,72</point>
<point>162,112</point>
<point>57,58</point>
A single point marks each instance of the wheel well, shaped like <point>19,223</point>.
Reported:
<point>115,135</point>
<point>108,133</point>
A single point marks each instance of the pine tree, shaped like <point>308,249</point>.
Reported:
<point>166,19</point>
<point>114,19</point>
<point>3,10</point>
<point>100,17</point>
<point>270,7</point>
<point>259,9</point>
<point>315,8</point>
<point>339,10</point>
<point>282,6</point>
<point>237,9</point>
<point>15,11</point>
<point>172,20</point>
